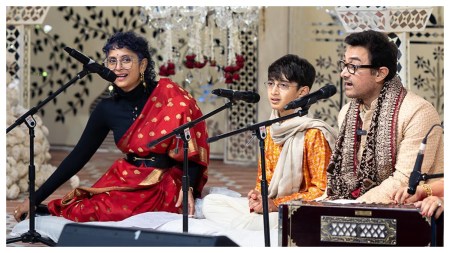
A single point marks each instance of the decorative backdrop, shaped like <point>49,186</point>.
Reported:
<point>421,61</point>
<point>87,28</point>
<point>35,56</point>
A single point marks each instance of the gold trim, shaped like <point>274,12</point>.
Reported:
<point>366,213</point>
<point>152,178</point>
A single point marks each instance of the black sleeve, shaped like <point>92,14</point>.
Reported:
<point>194,174</point>
<point>93,135</point>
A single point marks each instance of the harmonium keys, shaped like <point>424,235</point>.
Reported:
<point>311,223</point>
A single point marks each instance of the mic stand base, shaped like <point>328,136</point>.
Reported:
<point>32,236</point>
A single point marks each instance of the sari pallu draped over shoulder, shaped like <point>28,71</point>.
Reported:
<point>125,189</point>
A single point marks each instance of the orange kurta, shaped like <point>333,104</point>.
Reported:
<point>316,156</point>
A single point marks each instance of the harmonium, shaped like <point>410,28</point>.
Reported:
<point>314,223</point>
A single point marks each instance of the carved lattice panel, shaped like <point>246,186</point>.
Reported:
<point>26,15</point>
<point>382,18</point>
<point>427,66</point>
<point>14,51</point>
<point>330,39</point>
<point>241,148</point>
<point>19,20</point>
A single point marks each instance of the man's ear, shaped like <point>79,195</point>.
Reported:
<point>381,74</point>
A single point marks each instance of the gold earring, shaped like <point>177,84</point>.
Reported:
<point>143,80</point>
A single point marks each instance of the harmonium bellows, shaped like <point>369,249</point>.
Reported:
<point>312,223</point>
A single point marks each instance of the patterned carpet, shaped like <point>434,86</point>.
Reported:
<point>235,177</point>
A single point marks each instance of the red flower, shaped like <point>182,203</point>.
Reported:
<point>199,65</point>
<point>228,80</point>
<point>189,64</point>
<point>170,65</point>
<point>167,69</point>
<point>171,72</point>
<point>191,57</point>
<point>192,63</point>
<point>239,58</point>
<point>231,72</point>
<point>228,69</point>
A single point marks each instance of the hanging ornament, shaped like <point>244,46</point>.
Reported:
<point>167,68</point>
<point>199,22</point>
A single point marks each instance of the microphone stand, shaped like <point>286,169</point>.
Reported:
<point>436,224</point>
<point>417,177</point>
<point>32,236</point>
<point>183,133</point>
<point>259,130</point>
<point>433,243</point>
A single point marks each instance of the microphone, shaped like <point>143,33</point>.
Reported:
<point>309,99</point>
<point>416,175</point>
<point>234,95</point>
<point>92,65</point>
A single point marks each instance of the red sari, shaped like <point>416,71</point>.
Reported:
<point>126,190</point>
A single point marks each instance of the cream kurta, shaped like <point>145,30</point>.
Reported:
<point>415,119</point>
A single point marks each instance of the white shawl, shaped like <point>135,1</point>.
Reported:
<point>288,174</point>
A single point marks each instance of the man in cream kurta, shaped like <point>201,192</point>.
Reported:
<point>415,118</point>
<point>382,126</point>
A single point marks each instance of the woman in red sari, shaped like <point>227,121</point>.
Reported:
<point>139,111</point>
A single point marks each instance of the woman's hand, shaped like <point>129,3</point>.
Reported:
<point>22,211</point>
<point>430,205</point>
<point>191,201</point>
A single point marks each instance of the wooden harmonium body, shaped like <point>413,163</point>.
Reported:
<point>314,223</point>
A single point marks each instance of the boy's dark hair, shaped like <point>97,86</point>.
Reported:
<point>295,69</point>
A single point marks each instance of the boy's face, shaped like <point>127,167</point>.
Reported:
<point>281,92</point>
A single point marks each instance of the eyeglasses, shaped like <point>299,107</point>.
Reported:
<point>126,62</point>
<point>352,68</point>
<point>283,85</point>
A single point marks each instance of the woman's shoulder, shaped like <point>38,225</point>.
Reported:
<point>169,84</point>
<point>170,89</point>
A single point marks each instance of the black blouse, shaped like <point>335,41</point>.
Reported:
<point>113,113</point>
